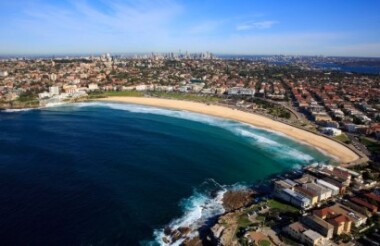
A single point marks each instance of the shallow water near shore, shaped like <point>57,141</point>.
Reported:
<point>116,174</point>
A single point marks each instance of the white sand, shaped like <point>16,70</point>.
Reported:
<point>341,152</point>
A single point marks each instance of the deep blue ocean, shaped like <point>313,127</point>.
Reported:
<point>116,174</point>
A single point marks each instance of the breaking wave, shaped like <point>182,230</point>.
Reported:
<point>205,204</point>
<point>18,110</point>
<point>267,140</point>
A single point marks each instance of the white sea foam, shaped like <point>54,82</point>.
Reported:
<point>17,110</point>
<point>197,209</point>
<point>257,136</point>
<point>50,105</point>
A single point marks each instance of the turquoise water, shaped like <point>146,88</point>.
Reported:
<point>116,174</point>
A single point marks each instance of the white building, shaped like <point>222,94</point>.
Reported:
<point>163,88</point>
<point>293,197</point>
<point>93,87</point>
<point>323,193</point>
<point>333,188</point>
<point>241,91</point>
<point>141,87</point>
<point>54,90</point>
<point>3,73</point>
<point>185,88</point>
<point>44,95</point>
<point>331,131</point>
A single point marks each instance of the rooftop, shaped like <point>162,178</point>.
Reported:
<point>363,203</point>
<point>313,235</point>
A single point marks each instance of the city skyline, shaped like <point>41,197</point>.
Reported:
<point>41,27</point>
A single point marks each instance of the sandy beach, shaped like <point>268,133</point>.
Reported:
<point>339,151</point>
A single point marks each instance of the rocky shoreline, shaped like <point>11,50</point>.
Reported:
<point>210,234</point>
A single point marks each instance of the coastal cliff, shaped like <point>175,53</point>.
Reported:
<point>213,232</point>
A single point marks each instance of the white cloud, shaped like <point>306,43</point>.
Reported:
<point>83,19</point>
<point>255,25</point>
<point>80,26</point>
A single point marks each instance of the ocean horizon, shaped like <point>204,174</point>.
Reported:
<point>99,173</point>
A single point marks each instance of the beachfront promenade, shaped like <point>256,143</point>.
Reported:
<point>342,153</point>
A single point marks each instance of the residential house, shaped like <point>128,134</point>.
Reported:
<point>323,193</point>
<point>293,197</point>
<point>319,225</point>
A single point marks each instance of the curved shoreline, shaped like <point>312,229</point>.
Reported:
<point>333,148</point>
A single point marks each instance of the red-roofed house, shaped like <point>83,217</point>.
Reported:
<point>372,196</point>
<point>324,213</point>
<point>370,207</point>
<point>341,223</point>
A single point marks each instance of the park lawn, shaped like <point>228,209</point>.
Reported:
<point>186,96</point>
<point>372,145</point>
<point>98,94</point>
<point>343,138</point>
<point>168,95</point>
<point>274,204</point>
<point>123,93</point>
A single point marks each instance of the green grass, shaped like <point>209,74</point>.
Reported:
<point>260,217</point>
<point>343,138</point>
<point>132,93</point>
<point>169,95</point>
<point>124,93</point>
<point>264,243</point>
<point>282,207</point>
<point>185,96</point>
<point>372,145</point>
<point>243,221</point>
<point>279,112</point>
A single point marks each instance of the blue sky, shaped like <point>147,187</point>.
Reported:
<point>296,27</point>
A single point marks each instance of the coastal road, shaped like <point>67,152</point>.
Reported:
<point>357,144</point>
<point>286,106</point>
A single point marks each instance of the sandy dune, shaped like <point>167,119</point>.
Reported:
<point>341,152</point>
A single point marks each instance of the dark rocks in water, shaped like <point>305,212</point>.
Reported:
<point>184,230</point>
<point>166,240</point>
<point>167,231</point>
<point>176,235</point>
<point>236,199</point>
<point>181,232</point>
